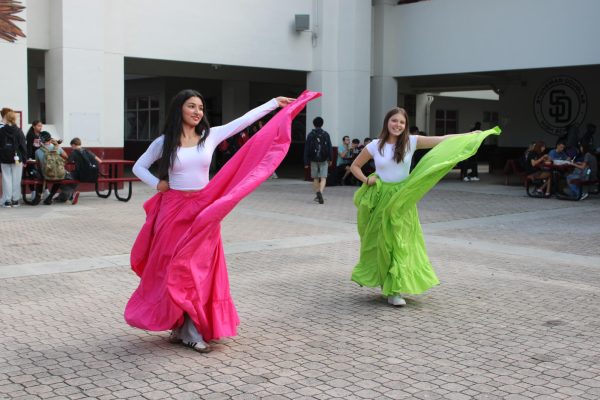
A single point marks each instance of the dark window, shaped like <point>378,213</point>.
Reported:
<point>490,117</point>
<point>446,122</point>
<point>410,105</point>
<point>142,118</point>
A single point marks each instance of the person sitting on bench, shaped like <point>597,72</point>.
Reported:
<point>48,158</point>
<point>589,162</point>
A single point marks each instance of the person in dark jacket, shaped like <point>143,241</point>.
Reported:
<point>318,156</point>
<point>33,143</point>
<point>33,138</point>
<point>468,168</point>
<point>12,153</point>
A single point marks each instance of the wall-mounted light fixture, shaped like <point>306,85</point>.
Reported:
<point>302,22</point>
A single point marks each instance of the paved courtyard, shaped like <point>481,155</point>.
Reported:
<point>517,315</point>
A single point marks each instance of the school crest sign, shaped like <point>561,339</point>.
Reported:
<point>561,101</point>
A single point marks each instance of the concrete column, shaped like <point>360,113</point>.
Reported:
<point>85,72</point>
<point>384,87</point>
<point>424,119</point>
<point>384,97</point>
<point>13,73</point>
<point>236,99</point>
<point>342,67</point>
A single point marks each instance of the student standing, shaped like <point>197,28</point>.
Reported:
<point>13,152</point>
<point>318,156</point>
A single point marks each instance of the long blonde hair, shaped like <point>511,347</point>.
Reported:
<point>401,147</point>
<point>11,118</point>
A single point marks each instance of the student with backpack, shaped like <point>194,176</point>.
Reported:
<point>12,153</point>
<point>317,155</point>
<point>86,165</point>
<point>51,159</point>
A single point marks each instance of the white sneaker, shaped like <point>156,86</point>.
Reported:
<point>396,300</point>
<point>45,194</point>
<point>200,347</point>
<point>466,179</point>
<point>583,196</point>
<point>474,178</point>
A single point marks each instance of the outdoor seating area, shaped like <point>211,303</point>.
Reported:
<point>111,179</point>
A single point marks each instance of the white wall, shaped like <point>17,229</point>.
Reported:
<point>230,32</point>
<point>341,68</point>
<point>38,24</point>
<point>243,32</point>
<point>384,87</point>
<point>13,77</point>
<point>443,37</point>
<point>84,74</point>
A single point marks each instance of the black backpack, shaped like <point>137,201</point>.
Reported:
<point>86,166</point>
<point>8,148</point>
<point>317,147</point>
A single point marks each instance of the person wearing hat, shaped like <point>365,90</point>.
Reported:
<point>51,144</point>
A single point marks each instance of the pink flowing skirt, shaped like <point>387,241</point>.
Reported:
<point>178,253</point>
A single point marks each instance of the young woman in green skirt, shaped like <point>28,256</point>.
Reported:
<point>392,249</point>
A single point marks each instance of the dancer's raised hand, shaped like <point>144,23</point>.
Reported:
<point>284,101</point>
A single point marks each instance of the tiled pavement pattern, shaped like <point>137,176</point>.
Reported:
<point>517,315</point>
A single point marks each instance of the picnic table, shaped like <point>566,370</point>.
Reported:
<point>111,177</point>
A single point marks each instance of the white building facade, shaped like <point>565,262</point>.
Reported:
<point>104,70</point>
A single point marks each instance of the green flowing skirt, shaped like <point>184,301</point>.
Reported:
<point>392,249</point>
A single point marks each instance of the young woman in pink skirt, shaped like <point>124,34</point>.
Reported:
<point>179,254</point>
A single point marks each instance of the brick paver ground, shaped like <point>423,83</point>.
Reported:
<point>517,315</point>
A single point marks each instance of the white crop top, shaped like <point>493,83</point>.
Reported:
<point>191,166</point>
<point>386,168</point>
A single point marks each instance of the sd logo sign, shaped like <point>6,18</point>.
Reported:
<point>561,101</point>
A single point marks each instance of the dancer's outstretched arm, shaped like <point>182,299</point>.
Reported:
<point>427,142</point>
<point>220,133</point>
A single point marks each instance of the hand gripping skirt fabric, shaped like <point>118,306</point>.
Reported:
<point>178,254</point>
<point>392,249</point>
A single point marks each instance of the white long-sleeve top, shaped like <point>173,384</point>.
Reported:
<point>191,167</point>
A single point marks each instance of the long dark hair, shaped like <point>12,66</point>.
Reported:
<point>537,148</point>
<point>173,129</point>
<point>34,123</point>
<point>402,143</point>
